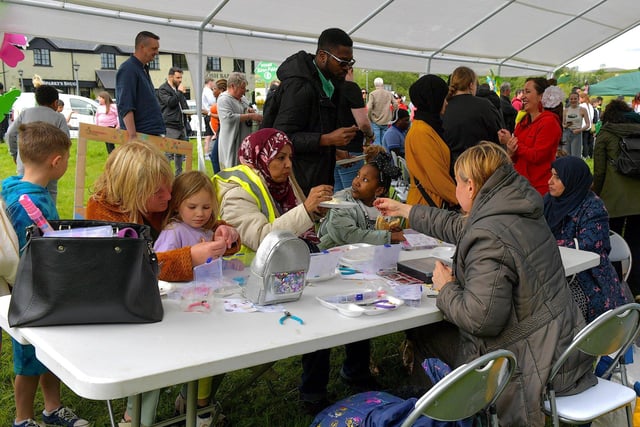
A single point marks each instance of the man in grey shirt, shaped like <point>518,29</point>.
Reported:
<point>45,111</point>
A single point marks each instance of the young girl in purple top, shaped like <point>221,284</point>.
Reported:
<point>191,219</point>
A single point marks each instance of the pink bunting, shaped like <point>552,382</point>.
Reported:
<point>9,52</point>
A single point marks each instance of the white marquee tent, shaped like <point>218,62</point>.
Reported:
<point>507,37</point>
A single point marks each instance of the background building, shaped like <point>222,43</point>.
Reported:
<point>82,68</point>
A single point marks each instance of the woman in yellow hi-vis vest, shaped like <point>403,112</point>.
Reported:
<point>261,194</point>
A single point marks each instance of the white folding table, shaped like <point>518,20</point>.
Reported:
<point>113,361</point>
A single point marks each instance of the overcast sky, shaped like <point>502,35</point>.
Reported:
<point>623,52</point>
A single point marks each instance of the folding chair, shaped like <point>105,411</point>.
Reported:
<point>620,252</point>
<point>610,333</point>
<point>467,390</point>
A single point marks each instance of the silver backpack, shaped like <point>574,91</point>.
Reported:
<point>279,269</point>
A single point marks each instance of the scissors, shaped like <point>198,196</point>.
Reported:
<point>288,315</point>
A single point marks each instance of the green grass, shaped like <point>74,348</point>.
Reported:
<point>271,401</point>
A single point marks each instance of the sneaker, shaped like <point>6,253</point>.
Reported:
<point>64,416</point>
<point>27,423</point>
<point>204,422</point>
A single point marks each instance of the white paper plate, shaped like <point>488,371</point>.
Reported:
<point>337,203</point>
<point>165,287</point>
<point>350,160</point>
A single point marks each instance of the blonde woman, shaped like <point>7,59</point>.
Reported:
<point>506,288</point>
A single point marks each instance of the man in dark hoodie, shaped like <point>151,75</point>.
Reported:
<point>305,107</point>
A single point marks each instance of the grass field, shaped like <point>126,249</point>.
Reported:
<point>271,401</point>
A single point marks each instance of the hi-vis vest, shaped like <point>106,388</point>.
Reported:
<point>251,182</point>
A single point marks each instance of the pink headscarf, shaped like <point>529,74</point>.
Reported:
<point>257,151</point>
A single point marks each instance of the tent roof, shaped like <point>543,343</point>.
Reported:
<point>625,84</point>
<point>508,37</point>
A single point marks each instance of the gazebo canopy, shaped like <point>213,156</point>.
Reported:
<point>507,37</point>
<point>625,84</point>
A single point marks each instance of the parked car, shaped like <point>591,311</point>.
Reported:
<point>82,110</point>
<point>193,118</point>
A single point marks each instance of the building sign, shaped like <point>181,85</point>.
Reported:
<point>266,70</point>
<point>63,83</point>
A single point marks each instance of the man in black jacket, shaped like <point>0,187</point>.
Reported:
<point>305,107</point>
<point>508,112</point>
<point>173,102</point>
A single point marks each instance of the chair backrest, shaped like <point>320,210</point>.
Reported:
<point>402,164</point>
<point>610,333</point>
<point>467,390</point>
<point>620,252</point>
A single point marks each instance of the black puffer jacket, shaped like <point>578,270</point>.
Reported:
<point>304,114</point>
<point>510,291</point>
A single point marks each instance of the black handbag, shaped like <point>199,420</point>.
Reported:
<point>85,280</point>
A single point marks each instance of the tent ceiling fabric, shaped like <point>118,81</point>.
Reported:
<point>507,37</point>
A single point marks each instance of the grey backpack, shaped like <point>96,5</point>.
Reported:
<point>279,269</point>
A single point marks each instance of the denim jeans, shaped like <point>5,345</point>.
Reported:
<point>344,175</point>
<point>574,142</point>
<point>213,155</point>
<point>378,132</point>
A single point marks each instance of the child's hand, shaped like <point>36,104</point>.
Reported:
<point>201,252</point>
<point>227,234</point>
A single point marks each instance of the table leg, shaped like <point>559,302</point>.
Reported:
<point>192,407</point>
<point>137,410</point>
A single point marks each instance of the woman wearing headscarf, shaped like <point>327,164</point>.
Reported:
<point>428,157</point>
<point>265,174</point>
<point>261,195</point>
<point>578,219</point>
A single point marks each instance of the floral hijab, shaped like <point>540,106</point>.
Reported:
<point>257,151</point>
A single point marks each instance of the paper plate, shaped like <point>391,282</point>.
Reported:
<point>337,203</point>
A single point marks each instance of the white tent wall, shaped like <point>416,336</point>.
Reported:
<point>508,37</point>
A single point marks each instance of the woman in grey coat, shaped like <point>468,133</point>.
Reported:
<point>506,288</point>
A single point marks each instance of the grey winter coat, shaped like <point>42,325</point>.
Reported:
<point>509,291</point>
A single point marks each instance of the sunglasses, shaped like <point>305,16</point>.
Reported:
<point>341,62</point>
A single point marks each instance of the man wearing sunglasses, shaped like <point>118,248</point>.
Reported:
<point>305,107</point>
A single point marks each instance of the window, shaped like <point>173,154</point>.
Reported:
<point>214,63</point>
<point>238,65</point>
<point>155,64</point>
<point>108,61</point>
<point>42,57</point>
<point>179,61</point>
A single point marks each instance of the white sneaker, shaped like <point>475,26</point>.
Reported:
<point>204,422</point>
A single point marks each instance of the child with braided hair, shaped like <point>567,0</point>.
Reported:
<point>358,224</point>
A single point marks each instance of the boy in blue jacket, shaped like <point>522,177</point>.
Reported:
<point>44,150</point>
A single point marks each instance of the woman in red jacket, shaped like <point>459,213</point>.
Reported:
<point>535,141</point>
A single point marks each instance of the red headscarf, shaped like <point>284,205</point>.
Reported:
<point>257,151</point>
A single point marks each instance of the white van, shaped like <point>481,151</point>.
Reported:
<point>84,109</point>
